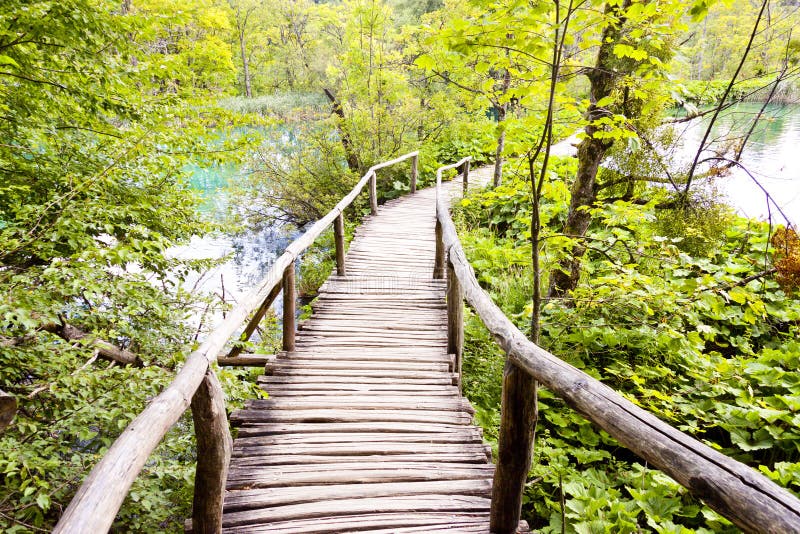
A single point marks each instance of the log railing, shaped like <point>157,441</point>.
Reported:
<point>97,501</point>
<point>741,494</point>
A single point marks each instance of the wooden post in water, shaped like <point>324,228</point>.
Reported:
<point>414,171</point>
<point>438,266</point>
<point>214,446</point>
<point>465,177</point>
<point>338,234</point>
<point>373,193</point>
<point>455,319</point>
<point>518,415</point>
<point>288,308</point>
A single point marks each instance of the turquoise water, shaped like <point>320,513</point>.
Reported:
<point>771,156</point>
<point>211,182</point>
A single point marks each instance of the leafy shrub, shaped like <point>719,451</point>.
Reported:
<point>699,333</point>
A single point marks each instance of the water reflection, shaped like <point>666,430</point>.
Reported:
<point>247,256</point>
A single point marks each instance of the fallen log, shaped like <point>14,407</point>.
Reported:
<point>104,349</point>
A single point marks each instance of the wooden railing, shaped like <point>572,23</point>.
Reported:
<point>100,496</point>
<point>741,494</point>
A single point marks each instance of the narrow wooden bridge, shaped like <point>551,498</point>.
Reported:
<point>365,428</point>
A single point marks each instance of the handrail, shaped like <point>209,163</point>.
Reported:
<point>741,494</point>
<point>97,501</point>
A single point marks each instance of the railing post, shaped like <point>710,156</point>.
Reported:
<point>455,319</point>
<point>373,193</point>
<point>414,170</point>
<point>465,177</point>
<point>288,307</point>
<point>214,446</point>
<point>438,266</point>
<point>338,235</point>
<point>518,415</point>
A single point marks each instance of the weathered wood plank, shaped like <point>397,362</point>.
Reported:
<point>366,522</point>
<point>249,360</point>
<point>467,434</point>
<point>369,426</point>
<point>349,416</point>
<point>438,379</point>
<point>267,497</point>
<point>321,509</point>
<point>246,452</point>
<point>364,402</point>
<point>363,472</point>
<point>463,457</point>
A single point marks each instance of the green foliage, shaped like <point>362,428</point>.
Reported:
<point>694,332</point>
<point>101,113</point>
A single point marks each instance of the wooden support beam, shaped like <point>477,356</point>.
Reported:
<point>518,415</point>
<point>214,446</point>
<point>414,171</point>
<point>465,177</point>
<point>338,234</point>
<point>438,266</point>
<point>288,308</point>
<point>8,408</point>
<point>373,194</point>
<point>248,360</point>
<point>252,325</point>
<point>455,320</point>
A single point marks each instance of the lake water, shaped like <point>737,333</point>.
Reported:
<point>771,155</point>
<point>247,256</point>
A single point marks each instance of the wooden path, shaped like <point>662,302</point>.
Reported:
<point>364,429</point>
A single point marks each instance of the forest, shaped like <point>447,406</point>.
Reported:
<point>625,259</point>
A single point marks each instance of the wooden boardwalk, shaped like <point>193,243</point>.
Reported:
<point>364,429</point>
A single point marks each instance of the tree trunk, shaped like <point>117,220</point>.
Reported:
<point>501,143</point>
<point>347,144</point>
<point>8,407</point>
<point>245,65</point>
<point>603,79</point>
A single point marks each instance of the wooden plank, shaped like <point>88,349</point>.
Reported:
<point>349,416</point>
<point>363,402</point>
<point>349,375</point>
<point>467,434</point>
<point>345,390</point>
<point>267,497</point>
<point>351,427</point>
<point>365,522</point>
<point>246,452</point>
<point>250,360</point>
<point>438,379</point>
<point>459,457</point>
<point>353,365</point>
<point>339,507</point>
<point>362,472</point>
